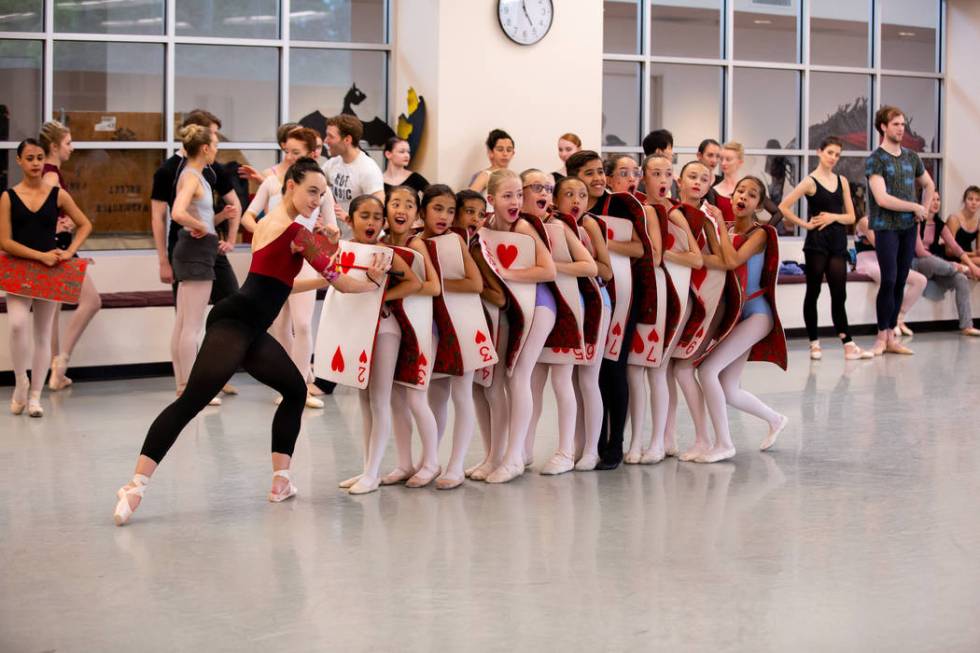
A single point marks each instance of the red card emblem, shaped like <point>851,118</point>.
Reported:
<point>422,360</point>
<point>617,330</point>
<point>480,337</point>
<point>362,357</point>
<point>669,241</point>
<point>610,235</point>
<point>698,276</point>
<point>346,261</point>
<point>637,343</point>
<point>507,254</point>
<point>653,337</point>
<point>337,362</point>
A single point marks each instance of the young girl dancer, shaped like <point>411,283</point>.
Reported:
<point>408,403</point>
<point>732,159</point>
<point>500,152</point>
<point>55,138</point>
<point>197,247</point>
<point>623,174</point>
<point>366,222</point>
<point>570,199</point>
<point>236,335</point>
<point>568,144</point>
<point>538,196</point>
<point>825,248</point>
<point>692,185</point>
<point>28,218</point>
<point>754,254</point>
<point>505,194</point>
<point>293,327</point>
<point>438,208</point>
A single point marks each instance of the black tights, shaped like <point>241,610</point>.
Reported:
<point>818,265</point>
<point>229,344</point>
<point>615,391</point>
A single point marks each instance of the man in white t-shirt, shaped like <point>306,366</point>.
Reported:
<point>349,171</point>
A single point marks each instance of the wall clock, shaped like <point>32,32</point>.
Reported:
<point>525,21</point>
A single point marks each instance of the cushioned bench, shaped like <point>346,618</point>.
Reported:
<point>800,278</point>
<point>142,299</point>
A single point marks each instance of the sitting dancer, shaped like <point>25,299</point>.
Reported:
<point>29,213</point>
<point>55,138</point>
<point>500,152</point>
<point>438,208</point>
<point>964,225</point>
<point>505,195</point>
<point>754,255</point>
<point>408,403</point>
<point>825,248</point>
<point>293,327</point>
<point>538,196</point>
<point>236,336</point>
<point>366,220</point>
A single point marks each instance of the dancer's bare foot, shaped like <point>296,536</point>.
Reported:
<point>774,431</point>
<point>694,452</point>
<point>717,454</point>
<point>396,476</point>
<point>229,389</point>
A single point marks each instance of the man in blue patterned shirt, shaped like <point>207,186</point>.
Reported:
<point>893,173</point>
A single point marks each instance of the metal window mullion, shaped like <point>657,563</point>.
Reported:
<point>110,38</point>
<point>941,92</point>
<point>843,70</point>
<point>696,61</point>
<point>889,72</point>
<point>805,56</point>
<point>729,55</point>
<point>242,145</point>
<point>284,31</point>
<point>645,34</point>
<point>169,75</point>
<point>47,64</point>
<point>338,45</point>
<point>876,64</point>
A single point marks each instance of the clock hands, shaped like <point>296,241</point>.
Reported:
<point>530,22</point>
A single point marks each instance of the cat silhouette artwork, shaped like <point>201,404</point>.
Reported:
<point>376,131</point>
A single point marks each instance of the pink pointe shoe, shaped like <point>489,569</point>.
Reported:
<point>286,493</point>
<point>123,510</point>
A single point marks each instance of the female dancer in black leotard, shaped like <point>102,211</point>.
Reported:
<point>236,335</point>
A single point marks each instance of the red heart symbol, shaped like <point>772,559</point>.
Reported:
<point>347,261</point>
<point>653,337</point>
<point>422,360</point>
<point>480,337</point>
<point>700,332</point>
<point>557,350</point>
<point>669,241</point>
<point>507,254</point>
<point>337,363</point>
<point>637,343</point>
<point>617,330</point>
<point>610,234</point>
<point>363,357</point>
<point>698,276</point>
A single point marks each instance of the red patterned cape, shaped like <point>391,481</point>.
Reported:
<point>627,207</point>
<point>410,357</point>
<point>590,293</point>
<point>448,355</point>
<point>673,313</point>
<point>772,348</point>
<point>565,333</point>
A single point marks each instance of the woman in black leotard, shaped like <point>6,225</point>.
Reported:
<point>29,233</point>
<point>964,225</point>
<point>236,335</point>
<point>825,248</point>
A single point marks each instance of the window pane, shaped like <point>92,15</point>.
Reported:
<point>699,115</point>
<point>839,107</point>
<point>917,98</point>
<point>20,89</point>
<point>620,103</point>
<point>766,33</point>
<point>686,31</point>
<point>22,16</point>
<point>109,91</point>
<point>331,81</point>
<point>359,21</point>
<point>119,204</point>
<point>142,17</point>
<point>759,120</point>
<point>238,84</point>
<point>257,19</point>
<point>908,35</point>
<point>933,167</point>
<point>234,158</point>
<point>780,173</point>
<point>10,172</point>
<point>621,26</point>
<point>839,34</point>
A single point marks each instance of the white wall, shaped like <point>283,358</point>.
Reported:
<point>481,81</point>
<point>962,99</point>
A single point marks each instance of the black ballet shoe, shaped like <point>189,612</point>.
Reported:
<point>608,463</point>
<point>325,386</point>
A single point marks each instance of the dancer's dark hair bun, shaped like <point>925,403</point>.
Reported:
<point>298,171</point>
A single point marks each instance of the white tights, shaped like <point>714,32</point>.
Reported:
<point>589,398</point>
<point>521,401</point>
<point>462,390</point>
<point>375,403</point>
<point>561,384</point>
<point>721,372</point>
<point>408,404</point>
<point>19,317</point>
<point>89,303</point>
<point>192,304</point>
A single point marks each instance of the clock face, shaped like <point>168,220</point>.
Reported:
<point>525,21</point>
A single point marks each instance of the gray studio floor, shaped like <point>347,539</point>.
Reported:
<point>859,532</point>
